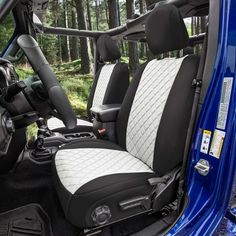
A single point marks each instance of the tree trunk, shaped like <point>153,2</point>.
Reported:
<point>55,6</point>
<point>89,15</point>
<point>97,14</point>
<point>133,47</point>
<point>66,52</point>
<point>118,10</point>
<point>84,55</point>
<point>193,26</point>
<point>197,25</point>
<point>90,26</point>
<point>203,24</point>
<point>142,46</point>
<point>113,14</point>
<point>141,7</point>
<point>74,40</point>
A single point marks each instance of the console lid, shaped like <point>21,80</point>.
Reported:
<point>105,113</point>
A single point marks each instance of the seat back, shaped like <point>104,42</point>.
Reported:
<point>156,111</point>
<point>112,79</point>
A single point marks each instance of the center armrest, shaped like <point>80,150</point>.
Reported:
<point>105,113</point>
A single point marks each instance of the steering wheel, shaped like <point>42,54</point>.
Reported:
<point>41,66</point>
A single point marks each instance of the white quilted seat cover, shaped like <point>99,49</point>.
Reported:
<point>76,167</point>
<point>148,106</point>
<point>102,84</point>
<point>54,123</point>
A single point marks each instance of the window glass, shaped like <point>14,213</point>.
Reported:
<point>7,28</point>
<point>1,2</point>
<point>196,25</point>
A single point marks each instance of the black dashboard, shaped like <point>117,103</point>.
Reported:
<point>20,103</point>
<point>7,127</point>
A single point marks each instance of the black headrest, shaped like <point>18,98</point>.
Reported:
<point>165,30</point>
<point>107,48</point>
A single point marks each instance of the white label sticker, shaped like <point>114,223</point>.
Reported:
<point>206,138</point>
<point>224,102</point>
<point>217,143</point>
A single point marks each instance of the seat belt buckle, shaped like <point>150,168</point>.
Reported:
<point>102,132</point>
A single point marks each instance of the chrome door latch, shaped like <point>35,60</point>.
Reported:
<point>203,167</point>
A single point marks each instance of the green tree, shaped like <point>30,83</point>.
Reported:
<point>7,28</point>
<point>84,55</point>
<point>133,47</point>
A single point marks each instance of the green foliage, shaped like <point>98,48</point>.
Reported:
<point>32,131</point>
<point>49,46</point>
<point>6,31</point>
<point>23,71</point>
<point>76,86</point>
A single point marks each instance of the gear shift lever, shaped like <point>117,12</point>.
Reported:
<point>43,128</point>
<point>39,150</point>
<point>39,143</point>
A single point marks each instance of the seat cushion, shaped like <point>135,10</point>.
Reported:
<point>57,125</point>
<point>77,167</point>
<point>97,173</point>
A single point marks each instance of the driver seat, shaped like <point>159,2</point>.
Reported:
<point>100,182</point>
<point>109,86</point>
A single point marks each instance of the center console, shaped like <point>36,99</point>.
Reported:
<point>57,139</point>
<point>48,142</point>
<point>104,122</point>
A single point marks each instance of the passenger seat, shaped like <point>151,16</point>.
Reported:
<point>109,87</point>
<point>99,182</point>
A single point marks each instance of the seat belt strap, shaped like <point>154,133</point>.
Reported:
<point>197,84</point>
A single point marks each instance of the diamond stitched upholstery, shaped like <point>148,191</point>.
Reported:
<point>54,123</point>
<point>76,167</point>
<point>102,84</point>
<point>148,105</point>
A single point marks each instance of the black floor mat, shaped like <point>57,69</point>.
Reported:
<point>31,183</point>
<point>28,220</point>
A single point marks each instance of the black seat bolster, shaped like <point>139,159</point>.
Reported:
<point>118,84</point>
<point>122,187</point>
<point>172,133</point>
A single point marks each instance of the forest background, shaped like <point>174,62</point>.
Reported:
<point>72,57</point>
